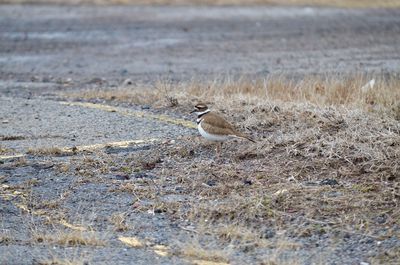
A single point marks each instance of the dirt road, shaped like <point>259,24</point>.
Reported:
<point>145,43</point>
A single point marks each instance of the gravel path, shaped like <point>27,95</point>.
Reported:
<point>38,123</point>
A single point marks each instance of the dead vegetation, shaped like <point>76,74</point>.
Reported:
<point>48,151</point>
<point>367,93</point>
<point>118,220</point>
<point>12,138</point>
<point>325,165</point>
<point>326,162</point>
<point>3,150</point>
<point>197,251</point>
<point>69,238</point>
<point>5,238</point>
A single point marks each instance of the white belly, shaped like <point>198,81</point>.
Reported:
<point>212,137</point>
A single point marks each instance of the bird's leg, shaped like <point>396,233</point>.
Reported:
<point>218,149</point>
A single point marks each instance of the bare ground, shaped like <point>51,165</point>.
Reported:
<point>94,172</point>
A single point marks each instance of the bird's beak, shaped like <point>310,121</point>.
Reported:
<point>193,111</point>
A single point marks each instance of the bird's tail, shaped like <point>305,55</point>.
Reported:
<point>244,136</point>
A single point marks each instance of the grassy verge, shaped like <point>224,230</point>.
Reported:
<point>326,163</point>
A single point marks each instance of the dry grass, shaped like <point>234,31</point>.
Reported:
<point>12,138</point>
<point>19,162</point>
<point>47,151</point>
<point>347,92</point>
<point>3,150</point>
<point>326,161</point>
<point>333,3</point>
<point>195,250</point>
<point>388,257</point>
<point>326,165</point>
<point>118,220</point>
<point>306,131</point>
<point>5,238</point>
<point>70,238</point>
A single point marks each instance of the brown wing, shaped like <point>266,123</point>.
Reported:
<point>215,124</point>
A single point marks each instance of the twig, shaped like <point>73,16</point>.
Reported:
<point>188,229</point>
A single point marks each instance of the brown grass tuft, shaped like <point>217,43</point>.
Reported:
<point>72,238</point>
<point>11,138</point>
<point>118,220</point>
<point>347,92</point>
<point>3,150</point>
<point>325,165</point>
<point>197,251</point>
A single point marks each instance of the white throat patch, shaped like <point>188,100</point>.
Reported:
<point>199,113</point>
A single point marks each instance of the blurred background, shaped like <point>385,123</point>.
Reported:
<point>89,41</point>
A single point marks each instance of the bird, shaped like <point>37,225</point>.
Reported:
<point>214,127</point>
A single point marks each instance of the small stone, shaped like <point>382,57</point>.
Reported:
<point>381,219</point>
<point>5,121</point>
<point>211,182</point>
<point>281,192</point>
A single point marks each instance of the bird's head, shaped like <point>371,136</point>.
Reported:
<point>200,109</point>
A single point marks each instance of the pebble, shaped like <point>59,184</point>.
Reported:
<point>211,182</point>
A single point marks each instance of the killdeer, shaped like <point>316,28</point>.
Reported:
<point>214,127</point>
